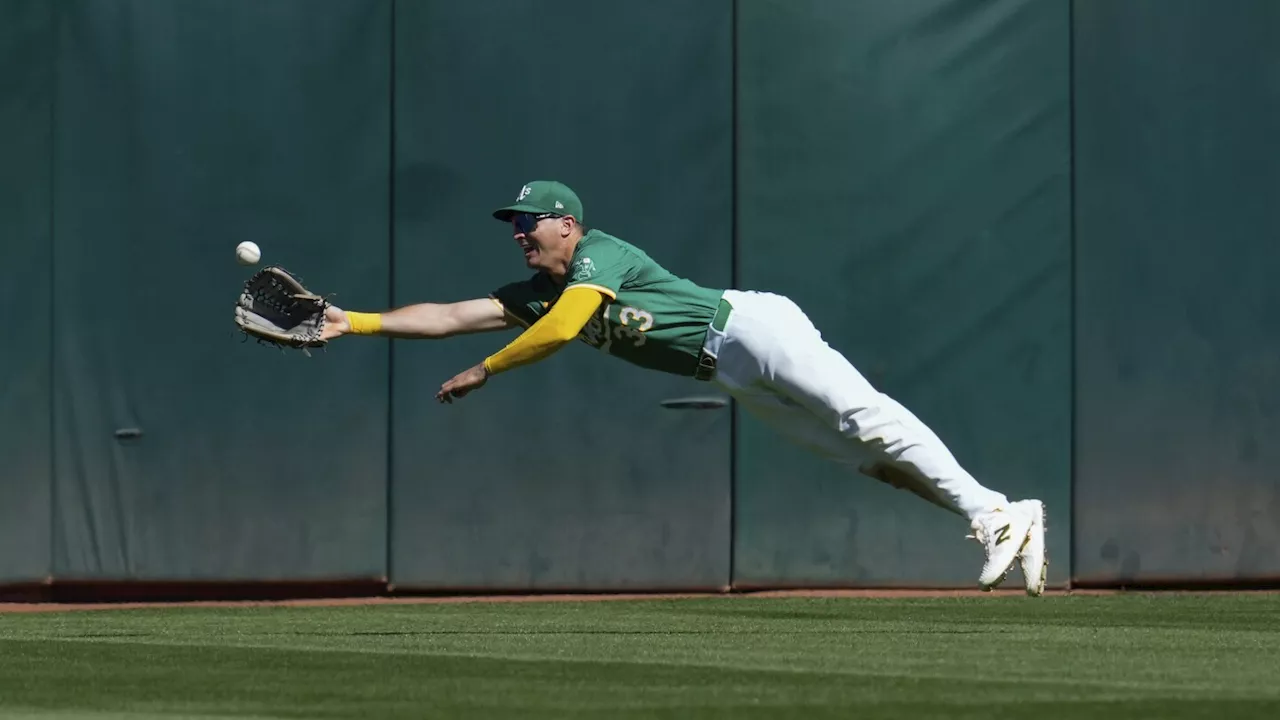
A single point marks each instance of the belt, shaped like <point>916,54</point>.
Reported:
<point>707,357</point>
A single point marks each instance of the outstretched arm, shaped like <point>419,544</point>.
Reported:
<point>553,331</point>
<point>419,321</point>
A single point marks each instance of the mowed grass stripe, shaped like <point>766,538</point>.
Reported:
<point>293,683</point>
<point>733,657</point>
<point>1022,678</point>
<point>1255,612</point>
<point>1048,655</point>
<point>1105,655</point>
<point>16,713</point>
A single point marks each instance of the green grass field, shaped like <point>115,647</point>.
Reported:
<point>1095,657</point>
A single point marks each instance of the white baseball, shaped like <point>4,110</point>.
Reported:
<point>247,253</point>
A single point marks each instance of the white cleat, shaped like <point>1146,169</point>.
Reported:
<point>1034,558</point>
<point>1003,533</point>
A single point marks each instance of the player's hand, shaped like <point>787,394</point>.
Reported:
<point>335,323</point>
<point>463,383</point>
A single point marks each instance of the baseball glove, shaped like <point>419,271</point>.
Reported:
<point>276,309</point>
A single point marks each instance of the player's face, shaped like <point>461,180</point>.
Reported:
<point>536,236</point>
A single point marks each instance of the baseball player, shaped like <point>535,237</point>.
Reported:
<point>758,346</point>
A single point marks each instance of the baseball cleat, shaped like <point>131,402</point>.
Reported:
<point>1003,533</point>
<point>1034,558</point>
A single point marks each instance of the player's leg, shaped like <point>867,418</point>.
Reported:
<point>796,423</point>
<point>771,346</point>
<point>802,427</point>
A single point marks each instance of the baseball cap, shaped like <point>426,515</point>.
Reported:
<point>543,196</point>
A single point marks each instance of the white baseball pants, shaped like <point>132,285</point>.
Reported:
<point>775,363</point>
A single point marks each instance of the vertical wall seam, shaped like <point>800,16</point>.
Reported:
<point>391,296</point>
<point>733,278</point>
<point>1072,312</point>
<point>53,295</point>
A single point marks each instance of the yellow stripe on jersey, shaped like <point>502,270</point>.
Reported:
<point>598,288</point>
<point>508,313</point>
<point>552,331</point>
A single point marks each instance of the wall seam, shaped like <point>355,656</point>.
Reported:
<point>1072,313</point>
<point>53,295</point>
<point>733,279</point>
<point>391,298</point>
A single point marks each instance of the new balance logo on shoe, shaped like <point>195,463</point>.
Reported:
<point>1002,534</point>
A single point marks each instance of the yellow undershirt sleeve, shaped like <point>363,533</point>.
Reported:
<point>553,330</point>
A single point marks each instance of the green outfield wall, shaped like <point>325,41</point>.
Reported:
<point>906,180</point>
<point>26,270</point>
<point>1046,228</point>
<point>179,130</point>
<point>1177,223</point>
<point>569,473</point>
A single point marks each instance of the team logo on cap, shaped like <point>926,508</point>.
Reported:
<point>524,193</point>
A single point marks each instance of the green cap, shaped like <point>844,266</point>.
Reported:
<point>543,196</point>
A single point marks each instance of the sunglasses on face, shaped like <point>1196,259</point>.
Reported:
<point>526,222</point>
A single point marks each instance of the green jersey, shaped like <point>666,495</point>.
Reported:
<point>650,317</point>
